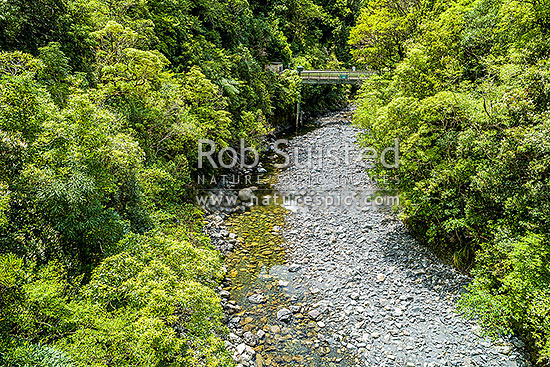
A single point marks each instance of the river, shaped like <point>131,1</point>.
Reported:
<point>333,278</point>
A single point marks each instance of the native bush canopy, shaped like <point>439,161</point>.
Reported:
<point>465,87</point>
<point>102,258</point>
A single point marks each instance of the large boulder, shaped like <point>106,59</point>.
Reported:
<point>246,195</point>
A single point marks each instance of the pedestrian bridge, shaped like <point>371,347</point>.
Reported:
<point>334,76</point>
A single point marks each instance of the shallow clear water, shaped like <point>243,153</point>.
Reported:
<point>258,266</point>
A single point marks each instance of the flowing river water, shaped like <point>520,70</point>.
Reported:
<point>313,284</point>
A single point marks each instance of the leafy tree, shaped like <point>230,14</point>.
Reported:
<point>102,259</point>
<point>55,72</point>
<point>382,28</point>
<point>28,25</point>
<point>468,102</point>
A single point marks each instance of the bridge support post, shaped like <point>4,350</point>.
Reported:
<point>299,69</point>
<point>297,114</point>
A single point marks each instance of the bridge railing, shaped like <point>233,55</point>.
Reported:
<point>334,76</point>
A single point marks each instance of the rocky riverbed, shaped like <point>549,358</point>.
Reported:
<point>328,276</point>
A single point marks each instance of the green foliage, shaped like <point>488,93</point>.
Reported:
<point>383,26</point>
<point>4,204</point>
<point>28,25</point>
<point>34,306</point>
<point>25,105</point>
<point>518,267</point>
<point>75,185</point>
<point>468,102</point>
<point>55,73</point>
<point>206,101</point>
<point>253,125</point>
<point>102,260</point>
<point>83,168</point>
<point>11,276</point>
<point>24,354</point>
<point>413,77</point>
<point>149,305</point>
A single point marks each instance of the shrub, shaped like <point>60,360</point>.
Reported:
<point>151,305</point>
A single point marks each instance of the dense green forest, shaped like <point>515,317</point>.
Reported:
<point>103,261</point>
<point>102,258</point>
<point>465,87</point>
